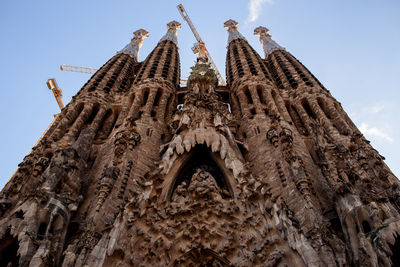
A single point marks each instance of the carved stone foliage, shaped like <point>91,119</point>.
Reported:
<point>105,184</point>
<point>201,257</point>
<point>125,139</point>
<point>202,186</point>
<point>40,166</point>
<point>272,136</point>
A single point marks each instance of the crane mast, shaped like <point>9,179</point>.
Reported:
<point>52,85</point>
<point>200,46</point>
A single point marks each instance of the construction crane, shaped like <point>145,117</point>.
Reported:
<point>200,47</point>
<point>51,83</point>
<point>77,69</point>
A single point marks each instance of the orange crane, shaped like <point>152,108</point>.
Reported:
<point>200,46</point>
<point>51,83</point>
<point>77,69</point>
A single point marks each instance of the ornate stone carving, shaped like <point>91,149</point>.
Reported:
<point>272,136</point>
<point>106,182</point>
<point>40,166</point>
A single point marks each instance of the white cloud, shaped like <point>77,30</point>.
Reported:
<point>375,132</point>
<point>374,109</point>
<point>255,9</point>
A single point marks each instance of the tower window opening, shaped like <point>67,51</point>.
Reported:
<point>248,95</point>
<point>274,72</point>
<point>116,114</point>
<point>157,97</point>
<point>144,66</point>
<point>93,114</point>
<point>109,121</point>
<point>308,109</point>
<point>111,81</point>
<point>101,132</point>
<point>261,95</point>
<point>275,98</point>
<point>249,61</point>
<point>285,71</point>
<point>145,96</point>
<point>294,115</point>
<point>167,63</point>
<point>155,62</point>
<point>229,67</point>
<point>297,66</point>
<point>76,114</point>
<point>322,105</point>
<point>102,72</point>
<point>176,75</point>
<point>239,66</point>
<point>260,63</point>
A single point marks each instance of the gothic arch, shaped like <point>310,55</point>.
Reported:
<point>201,157</point>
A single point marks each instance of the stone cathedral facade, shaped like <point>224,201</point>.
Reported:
<point>139,171</point>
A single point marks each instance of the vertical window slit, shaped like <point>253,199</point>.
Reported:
<point>308,109</point>
<point>248,95</point>
<point>261,95</point>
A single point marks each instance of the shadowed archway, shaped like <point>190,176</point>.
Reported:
<point>201,158</point>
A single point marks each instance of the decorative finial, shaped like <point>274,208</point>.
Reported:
<point>262,31</point>
<point>231,24</point>
<point>141,34</point>
<point>172,33</point>
<point>268,44</point>
<point>233,30</point>
<point>133,47</point>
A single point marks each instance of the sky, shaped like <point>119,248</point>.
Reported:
<point>352,47</point>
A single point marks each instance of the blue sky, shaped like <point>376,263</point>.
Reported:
<point>352,47</point>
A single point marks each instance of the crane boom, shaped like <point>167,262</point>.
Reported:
<point>191,26</point>
<point>201,46</point>
<point>51,83</point>
<point>77,69</point>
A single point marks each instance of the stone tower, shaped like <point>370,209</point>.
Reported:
<point>139,171</point>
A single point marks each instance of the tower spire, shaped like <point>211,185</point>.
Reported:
<point>268,44</point>
<point>172,33</point>
<point>233,30</point>
<point>133,47</point>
